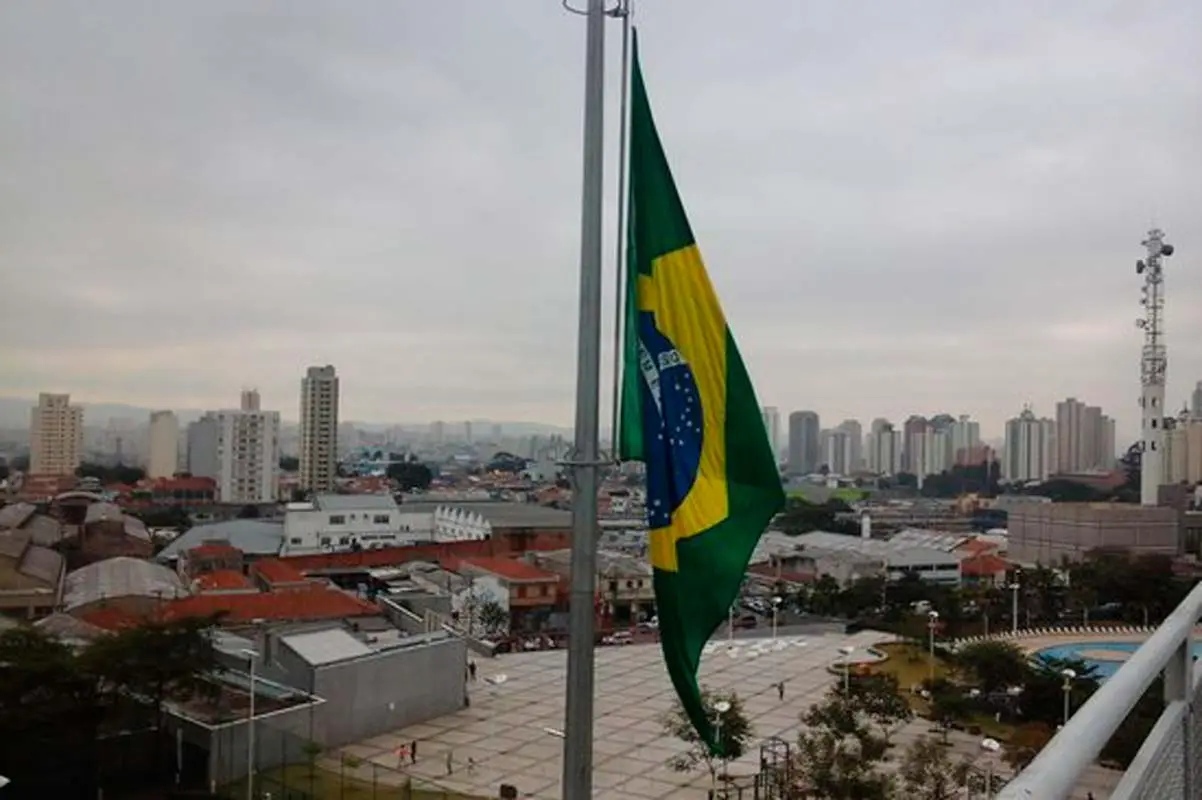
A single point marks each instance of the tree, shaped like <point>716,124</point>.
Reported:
<point>410,475</point>
<point>995,665</point>
<point>732,726</point>
<point>928,772</point>
<point>879,698</point>
<point>492,617</point>
<point>838,756</point>
<point>119,473</point>
<point>1025,743</point>
<point>948,705</point>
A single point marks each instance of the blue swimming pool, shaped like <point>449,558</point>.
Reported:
<point>1106,657</point>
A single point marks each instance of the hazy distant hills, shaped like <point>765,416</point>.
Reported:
<point>14,413</point>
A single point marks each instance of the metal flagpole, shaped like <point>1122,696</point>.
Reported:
<point>578,727</point>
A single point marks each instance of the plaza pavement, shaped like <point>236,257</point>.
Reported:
<point>511,731</point>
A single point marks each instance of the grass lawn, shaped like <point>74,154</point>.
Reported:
<point>910,664</point>
<point>329,785</point>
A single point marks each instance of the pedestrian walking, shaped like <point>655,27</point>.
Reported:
<point>471,670</point>
<point>401,754</point>
<point>780,690</point>
<point>471,765</point>
<point>449,762</point>
<point>413,752</point>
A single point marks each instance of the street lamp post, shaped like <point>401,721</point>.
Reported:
<point>932,622</point>
<point>846,651</point>
<point>991,748</point>
<point>1014,587</point>
<point>730,625</point>
<point>251,656</point>
<point>1069,677</point>
<point>721,707</point>
<point>776,601</point>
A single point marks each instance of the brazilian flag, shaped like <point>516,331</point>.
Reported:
<point>689,413</point>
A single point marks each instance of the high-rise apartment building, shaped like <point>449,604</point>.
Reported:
<point>929,451</point>
<point>964,440</point>
<point>771,416</point>
<point>55,436</point>
<point>837,451</point>
<point>855,444</point>
<point>1195,403</point>
<point>240,450</point>
<point>163,456</point>
<point>1084,438</point>
<point>319,429</point>
<point>1183,449</point>
<point>914,424</point>
<point>1030,448</point>
<point>884,446</point>
<point>805,453</point>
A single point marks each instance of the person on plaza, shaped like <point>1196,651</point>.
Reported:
<point>780,690</point>
<point>449,762</point>
<point>413,752</point>
<point>401,754</point>
<point>471,670</point>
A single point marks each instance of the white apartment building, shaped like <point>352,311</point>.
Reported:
<point>1030,448</point>
<point>837,451</point>
<point>1183,451</point>
<point>930,452</point>
<point>163,449</point>
<point>55,436</point>
<point>884,447</point>
<point>964,436</point>
<point>240,450</point>
<point>1084,438</point>
<point>319,429</point>
<point>855,444</point>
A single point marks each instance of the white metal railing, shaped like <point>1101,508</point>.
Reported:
<point>1169,763</point>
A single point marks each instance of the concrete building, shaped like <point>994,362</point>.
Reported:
<point>319,429</point>
<point>332,522</point>
<point>1084,438</point>
<point>525,592</point>
<point>805,453</point>
<point>964,439</point>
<point>929,451</point>
<point>31,576</point>
<point>837,451</point>
<point>1183,450</point>
<point>240,450</point>
<point>163,456</point>
<point>1030,448</point>
<point>884,447</point>
<point>1195,404</point>
<point>848,558</point>
<point>55,436</point>
<point>1045,533</point>
<point>915,424</point>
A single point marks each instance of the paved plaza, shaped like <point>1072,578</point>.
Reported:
<point>511,733</point>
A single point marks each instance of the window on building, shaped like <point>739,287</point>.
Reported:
<point>338,519</point>
<point>325,540</point>
<point>381,519</point>
<point>294,540</point>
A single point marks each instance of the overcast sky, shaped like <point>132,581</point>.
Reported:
<point>907,207</point>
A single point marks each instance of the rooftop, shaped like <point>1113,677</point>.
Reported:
<point>313,604</point>
<point>984,565</point>
<point>14,515</point>
<point>277,572</point>
<point>501,514</point>
<point>326,646</point>
<point>510,569</point>
<point>120,577</point>
<point>223,580</point>
<point>103,512</point>
<point>935,540</point>
<point>251,536</point>
<point>355,502</point>
<point>821,543</point>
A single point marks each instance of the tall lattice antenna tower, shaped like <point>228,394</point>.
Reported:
<point>1152,366</point>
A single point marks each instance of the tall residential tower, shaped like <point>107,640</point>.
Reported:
<point>55,436</point>
<point>319,429</point>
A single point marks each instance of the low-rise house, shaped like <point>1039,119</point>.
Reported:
<point>108,532</point>
<point>528,594</point>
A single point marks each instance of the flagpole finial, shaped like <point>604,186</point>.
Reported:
<point>621,9</point>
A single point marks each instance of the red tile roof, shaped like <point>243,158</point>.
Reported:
<point>275,571</point>
<point>393,556</point>
<point>510,569</point>
<point>190,484</point>
<point>789,576</point>
<point>214,551</point>
<point>110,618</point>
<point>319,603</point>
<point>985,565</point>
<point>222,579</point>
<point>974,547</point>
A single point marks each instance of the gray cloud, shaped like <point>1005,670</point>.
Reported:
<point>906,207</point>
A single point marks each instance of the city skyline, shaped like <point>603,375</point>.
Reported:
<point>942,211</point>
